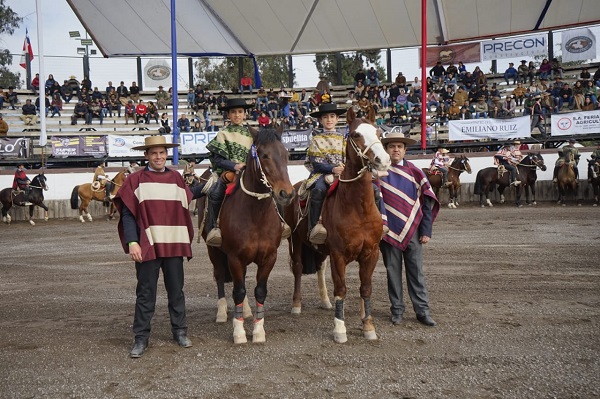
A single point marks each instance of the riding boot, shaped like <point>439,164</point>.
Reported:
<point>555,174</point>
<point>318,233</point>
<point>215,199</point>
<point>26,196</point>
<point>286,231</point>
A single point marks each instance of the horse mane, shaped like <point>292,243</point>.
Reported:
<point>267,136</point>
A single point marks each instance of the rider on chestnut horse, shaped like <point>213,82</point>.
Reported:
<point>440,162</point>
<point>567,154</point>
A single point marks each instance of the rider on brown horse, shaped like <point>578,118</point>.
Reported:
<point>592,174</point>
<point>509,156</point>
<point>567,154</point>
<point>21,182</point>
<point>440,162</point>
<point>101,180</point>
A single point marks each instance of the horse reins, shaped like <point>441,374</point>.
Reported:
<point>363,156</point>
<point>263,179</point>
<point>536,164</point>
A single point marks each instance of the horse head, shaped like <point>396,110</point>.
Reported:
<point>268,158</point>
<point>40,182</point>
<point>462,163</point>
<point>365,138</point>
<point>537,160</point>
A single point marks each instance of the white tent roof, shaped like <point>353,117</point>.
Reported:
<point>269,27</point>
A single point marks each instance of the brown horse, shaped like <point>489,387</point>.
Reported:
<point>251,228</point>
<point>594,170</point>
<point>86,193</point>
<point>567,180</point>
<point>353,224</point>
<point>459,164</point>
<point>36,197</point>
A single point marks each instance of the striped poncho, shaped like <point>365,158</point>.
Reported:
<point>159,203</point>
<point>232,143</point>
<point>404,191</point>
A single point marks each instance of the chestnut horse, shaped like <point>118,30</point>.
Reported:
<point>459,164</point>
<point>251,228</point>
<point>594,170</point>
<point>567,180</point>
<point>86,193</point>
<point>36,197</point>
<point>487,179</point>
<point>353,224</point>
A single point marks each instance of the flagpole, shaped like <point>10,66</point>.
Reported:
<point>42,88</point>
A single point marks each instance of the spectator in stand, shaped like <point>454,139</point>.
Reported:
<point>67,91</point>
<point>360,76</point>
<point>130,112</point>
<point>165,128</point>
<point>28,113</point>
<point>11,97</point>
<point>545,69</point>
<point>104,105</point>
<point>113,103</point>
<point>519,93</point>
<point>56,89</point>
<point>416,86</point>
<point>246,84</point>
<point>141,112</point>
<point>565,96</point>
<point>415,115</point>
<point>212,127</point>
<point>585,75</point>
<point>413,99</point>
<point>447,95</point>
<point>162,98</point>
<point>2,97</point>
<point>450,80</point>
<point>197,127</point>
<point>555,68</point>
<point>35,84</point>
<point>95,111</point>
<point>453,111</point>
<point>479,76</point>
<point>494,92</point>
<point>596,77</point>
<point>537,113</point>
<point>191,98</point>
<point>523,71</point>
<point>264,120</point>
<point>547,103</point>
<point>109,88</point>
<point>323,85</point>
<point>56,105</point>
<point>473,94</point>
<point>465,113</point>
<point>85,96</point>
<point>402,99</point>
<point>49,83</point>
<point>86,83</point>
<point>438,71</point>
<point>462,71</point>
<point>96,95</point>
<point>359,89</point>
<point>452,69</point>
<point>152,112</point>
<point>441,113</point>
<point>314,100</point>
<point>532,72</point>
<point>468,81</point>
<point>481,108</point>
<point>591,90</point>
<point>295,99</point>
<point>221,99</point>
<point>460,96</point>
<point>440,86</point>
<point>588,105</point>
<point>578,95</point>
<point>384,97</point>
<point>134,92</point>
<point>372,77</point>
<point>183,123</point>
<point>3,127</point>
<point>509,107</point>
<point>123,94</point>
<point>511,73</point>
<point>46,105</point>
<point>199,90</point>
<point>80,112</point>
<point>304,99</point>
<point>495,112</point>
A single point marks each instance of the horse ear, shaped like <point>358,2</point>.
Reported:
<point>279,130</point>
<point>371,114</point>
<point>350,116</point>
<point>253,132</point>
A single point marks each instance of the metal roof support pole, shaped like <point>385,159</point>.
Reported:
<point>174,81</point>
<point>423,74</point>
<point>290,72</point>
<point>140,78</point>
<point>190,72</point>
<point>388,55</point>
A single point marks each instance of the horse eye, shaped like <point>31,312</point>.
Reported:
<point>265,156</point>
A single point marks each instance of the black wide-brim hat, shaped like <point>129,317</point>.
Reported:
<point>328,108</point>
<point>235,103</point>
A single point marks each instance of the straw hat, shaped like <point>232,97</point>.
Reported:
<point>154,141</point>
<point>444,151</point>
<point>397,138</point>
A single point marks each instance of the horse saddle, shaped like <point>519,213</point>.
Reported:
<point>304,190</point>
<point>434,171</point>
<point>97,185</point>
<point>16,192</point>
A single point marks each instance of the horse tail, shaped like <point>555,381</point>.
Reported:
<point>75,198</point>
<point>478,188</point>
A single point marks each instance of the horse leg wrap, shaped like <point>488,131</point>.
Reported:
<point>258,334</point>
<point>238,312</point>
<point>221,310</point>
<point>366,309</point>
<point>239,334</point>
<point>368,327</point>
<point>339,309</point>
<point>339,331</point>
<point>260,312</point>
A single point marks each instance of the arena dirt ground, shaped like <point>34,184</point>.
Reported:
<point>516,293</point>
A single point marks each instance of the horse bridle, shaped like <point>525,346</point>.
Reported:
<point>45,187</point>
<point>462,161</point>
<point>363,156</point>
<point>263,178</point>
<point>536,163</point>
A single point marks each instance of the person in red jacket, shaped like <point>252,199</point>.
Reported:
<point>246,84</point>
<point>141,112</point>
<point>21,182</point>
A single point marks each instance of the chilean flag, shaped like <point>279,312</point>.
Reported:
<point>26,49</point>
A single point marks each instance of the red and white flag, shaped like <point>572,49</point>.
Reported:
<point>26,49</point>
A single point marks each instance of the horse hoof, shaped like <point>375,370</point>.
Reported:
<point>370,335</point>
<point>326,305</point>
<point>595,205</point>
<point>578,204</point>
<point>483,206</point>
<point>339,331</point>
<point>296,309</point>
<point>31,222</point>
<point>534,203</point>
<point>239,334</point>
<point>564,204</point>
<point>258,335</point>
<point>46,219</point>
<point>221,310</point>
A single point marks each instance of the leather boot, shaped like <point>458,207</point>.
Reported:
<point>26,196</point>
<point>213,236</point>
<point>318,233</point>
<point>182,339</point>
<point>555,174</point>
<point>286,231</point>
<point>139,347</point>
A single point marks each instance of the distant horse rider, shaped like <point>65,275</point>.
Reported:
<point>570,153</point>
<point>595,162</point>
<point>21,183</point>
<point>509,156</point>
<point>101,181</point>
<point>441,162</point>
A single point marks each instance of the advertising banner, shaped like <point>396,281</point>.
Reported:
<point>14,147</point>
<point>120,146</point>
<point>578,45</point>
<point>582,122</point>
<point>514,47</point>
<point>195,142</point>
<point>488,128</point>
<point>79,146</point>
<point>296,139</point>
<point>469,52</point>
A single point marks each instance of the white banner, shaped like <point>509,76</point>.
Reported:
<point>514,47</point>
<point>488,128</point>
<point>582,122</point>
<point>578,45</point>
<point>195,142</point>
<point>157,73</point>
<point>120,146</point>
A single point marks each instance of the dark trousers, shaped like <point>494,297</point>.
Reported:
<point>415,279</point>
<point>147,281</point>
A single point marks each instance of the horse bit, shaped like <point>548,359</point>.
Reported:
<point>363,155</point>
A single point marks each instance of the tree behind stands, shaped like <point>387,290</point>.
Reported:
<point>351,63</point>
<point>9,21</point>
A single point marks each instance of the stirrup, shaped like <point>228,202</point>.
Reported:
<point>287,231</point>
<point>555,180</point>
<point>318,235</point>
<point>27,203</point>
<point>213,238</point>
